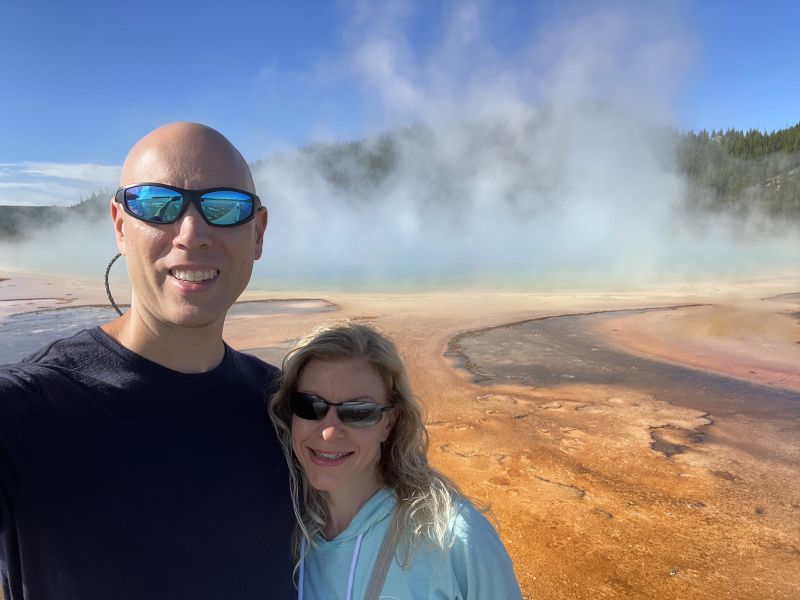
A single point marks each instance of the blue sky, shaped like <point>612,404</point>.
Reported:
<point>81,81</point>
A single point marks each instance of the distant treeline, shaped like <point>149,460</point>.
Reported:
<point>355,165</point>
<point>731,171</point>
<point>17,222</point>
<point>744,172</point>
<point>752,143</point>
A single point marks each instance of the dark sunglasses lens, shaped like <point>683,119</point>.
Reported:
<point>154,204</point>
<point>308,406</point>
<point>227,207</point>
<point>359,414</point>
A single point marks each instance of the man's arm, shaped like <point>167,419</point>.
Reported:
<point>17,391</point>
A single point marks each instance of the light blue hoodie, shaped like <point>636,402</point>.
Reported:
<point>475,567</point>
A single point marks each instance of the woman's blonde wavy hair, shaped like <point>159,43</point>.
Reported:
<point>425,496</point>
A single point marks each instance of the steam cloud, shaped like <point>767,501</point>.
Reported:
<point>548,165</point>
<point>550,168</point>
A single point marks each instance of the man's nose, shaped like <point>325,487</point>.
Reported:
<point>193,231</point>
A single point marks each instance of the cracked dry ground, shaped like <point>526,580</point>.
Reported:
<point>671,487</point>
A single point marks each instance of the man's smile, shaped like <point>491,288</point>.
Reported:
<point>193,276</point>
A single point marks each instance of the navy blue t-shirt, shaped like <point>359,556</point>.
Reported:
<point>121,479</point>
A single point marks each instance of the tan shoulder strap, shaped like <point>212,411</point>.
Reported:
<point>381,568</point>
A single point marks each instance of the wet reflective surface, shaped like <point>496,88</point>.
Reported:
<point>566,349</point>
<point>25,333</point>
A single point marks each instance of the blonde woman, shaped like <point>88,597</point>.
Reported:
<point>375,520</point>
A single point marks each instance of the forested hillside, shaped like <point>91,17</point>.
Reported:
<point>18,221</point>
<point>743,171</point>
<point>733,171</point>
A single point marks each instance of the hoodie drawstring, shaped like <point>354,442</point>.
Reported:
<point>350,578</point>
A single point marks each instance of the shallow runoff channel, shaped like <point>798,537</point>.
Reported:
<point>551,351</point>
<point>24,333</point>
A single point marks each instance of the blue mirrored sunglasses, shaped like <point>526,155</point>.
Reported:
<point>164,204</point>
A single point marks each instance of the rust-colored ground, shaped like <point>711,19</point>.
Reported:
<point>585,505</point>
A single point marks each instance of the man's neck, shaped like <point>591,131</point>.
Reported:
<point>182,349</point>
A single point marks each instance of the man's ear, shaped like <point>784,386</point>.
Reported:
<point>119,226</point>
<point>261,219</point>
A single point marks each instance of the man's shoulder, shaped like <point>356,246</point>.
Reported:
<point>255,368</point>
<point>81,348</point>
<point>20,378</point>
<point>246,361</point>
<point>50,368</point>
<point>49,360</point>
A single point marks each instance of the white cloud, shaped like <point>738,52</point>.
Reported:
<point>53,184</point>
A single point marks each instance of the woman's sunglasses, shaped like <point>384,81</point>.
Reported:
<point>164,204</point>
<point>354,413</point>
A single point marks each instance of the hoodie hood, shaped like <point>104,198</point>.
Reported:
<point>377,509</point>
<point>374,513</point>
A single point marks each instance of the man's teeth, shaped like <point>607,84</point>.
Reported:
<point>194,275</point>
<point>330,456</point>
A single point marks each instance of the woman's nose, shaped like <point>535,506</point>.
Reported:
<point>332,432</point>
<point>331,425</point>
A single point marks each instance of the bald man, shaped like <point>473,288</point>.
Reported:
<point>136,458</point>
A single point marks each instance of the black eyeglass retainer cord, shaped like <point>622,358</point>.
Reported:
<point>108,289</point>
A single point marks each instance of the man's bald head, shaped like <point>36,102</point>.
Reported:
<point>186,155</point>
<point>186,273</point>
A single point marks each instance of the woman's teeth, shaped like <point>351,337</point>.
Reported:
<point>330,455</point>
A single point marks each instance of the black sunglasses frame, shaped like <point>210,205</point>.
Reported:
<point>193,196</point>
<point>311,399</point>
